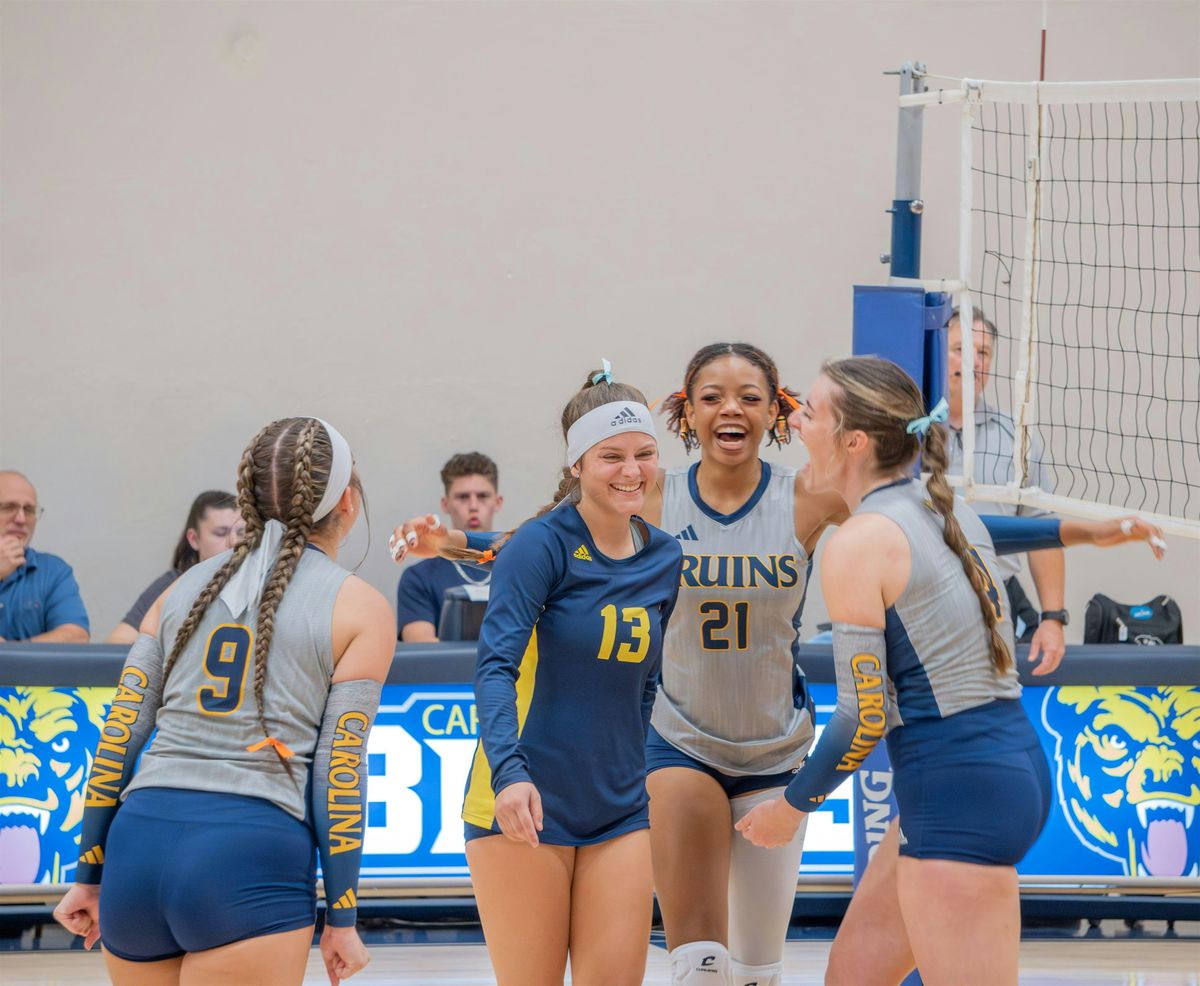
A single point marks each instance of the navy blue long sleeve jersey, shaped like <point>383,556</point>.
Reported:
<point>567,668</point>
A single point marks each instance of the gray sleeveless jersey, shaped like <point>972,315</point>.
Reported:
<point>209,716</point>
<point>937,644</point>
<point>731,696</point>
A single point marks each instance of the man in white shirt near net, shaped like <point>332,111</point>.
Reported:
<point>994,431</point>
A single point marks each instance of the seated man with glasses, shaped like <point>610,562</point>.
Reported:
<point>39,597</point>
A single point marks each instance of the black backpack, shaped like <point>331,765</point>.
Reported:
<point>1156,622</point>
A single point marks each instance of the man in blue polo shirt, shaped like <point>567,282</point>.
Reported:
<point>39,598</point>
<point>471,483</point>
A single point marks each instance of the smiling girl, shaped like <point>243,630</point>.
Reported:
<point>568,660</point>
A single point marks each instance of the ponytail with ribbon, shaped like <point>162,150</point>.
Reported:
<point>921,426</point>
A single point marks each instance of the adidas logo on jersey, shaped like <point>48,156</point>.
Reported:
<point>345,901</point>
<point>625,417</point>
<point>582,553</point>
<point>687,534</point>
<point>95,855</point>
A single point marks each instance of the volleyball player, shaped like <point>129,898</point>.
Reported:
<point>732,719</point>
<point>923,645</point>
<point>568,661</point>
<point>732,716</point>
<point>261,669</point>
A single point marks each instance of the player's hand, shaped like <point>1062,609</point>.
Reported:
<point>519,812</point>
<point>1132,529</point>
<point>1049,641</point>
<point>420,537</point>
<point>79,912</point>
<point>771,824</point>
<point>12,555</point>
<point>343,952</point>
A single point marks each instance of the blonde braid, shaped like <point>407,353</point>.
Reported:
<point>248,508</point>
<point>291,550</point>
<point>943,501</point>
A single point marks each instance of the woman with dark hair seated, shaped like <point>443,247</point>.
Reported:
<point>213,525</point>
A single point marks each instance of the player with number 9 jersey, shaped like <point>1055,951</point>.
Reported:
<point>259,673</point>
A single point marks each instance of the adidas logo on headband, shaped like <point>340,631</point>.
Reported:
<point>600,423</point>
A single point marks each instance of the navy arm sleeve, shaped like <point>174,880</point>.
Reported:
<point>524,575</point>
<point>859,721</point>
<point>1017,535</point>
<point>130,722</point>
<point>481,540</point>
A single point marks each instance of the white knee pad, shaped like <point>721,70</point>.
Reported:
<point>762,892</point>
<point>758,975</point>
<point>701,963</point>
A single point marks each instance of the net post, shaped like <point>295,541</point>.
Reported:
<point>1023,377</point>
<point>966,311</point>
<point>907,205</point>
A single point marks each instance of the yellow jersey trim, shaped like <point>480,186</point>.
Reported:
<point>479,806</point>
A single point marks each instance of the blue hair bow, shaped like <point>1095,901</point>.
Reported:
<point>605,374</point>
<point>920,426</point>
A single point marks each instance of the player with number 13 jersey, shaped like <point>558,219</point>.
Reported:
<point>581,634</point>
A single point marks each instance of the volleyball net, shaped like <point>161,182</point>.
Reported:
<point>1079,212</point>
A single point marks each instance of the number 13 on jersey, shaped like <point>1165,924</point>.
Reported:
<point>638,622</point>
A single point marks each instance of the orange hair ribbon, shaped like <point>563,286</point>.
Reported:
<point>278,745</point>
<point>682,394</point>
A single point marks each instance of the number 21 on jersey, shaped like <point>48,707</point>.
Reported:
<point>723,625</point>
<point>638,621</point>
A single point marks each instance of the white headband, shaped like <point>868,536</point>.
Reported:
<point>604,421</point>
<point>339,471</point>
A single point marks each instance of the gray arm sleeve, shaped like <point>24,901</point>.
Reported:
<point>130,722</point>
<point>339,793</point>
<point>859,721</point>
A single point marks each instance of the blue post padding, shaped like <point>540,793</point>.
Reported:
<point>938,306</point>
<point>906,239</point>
<point>890,322</point>
<point>907,326</point>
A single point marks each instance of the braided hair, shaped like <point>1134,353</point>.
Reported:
<point>878,398</point>
<point>281,476</point>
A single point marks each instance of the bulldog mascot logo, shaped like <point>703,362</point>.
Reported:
<point>1129,773</point>
<point>47,737</point>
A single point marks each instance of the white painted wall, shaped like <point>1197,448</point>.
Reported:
<point>425,221</point>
